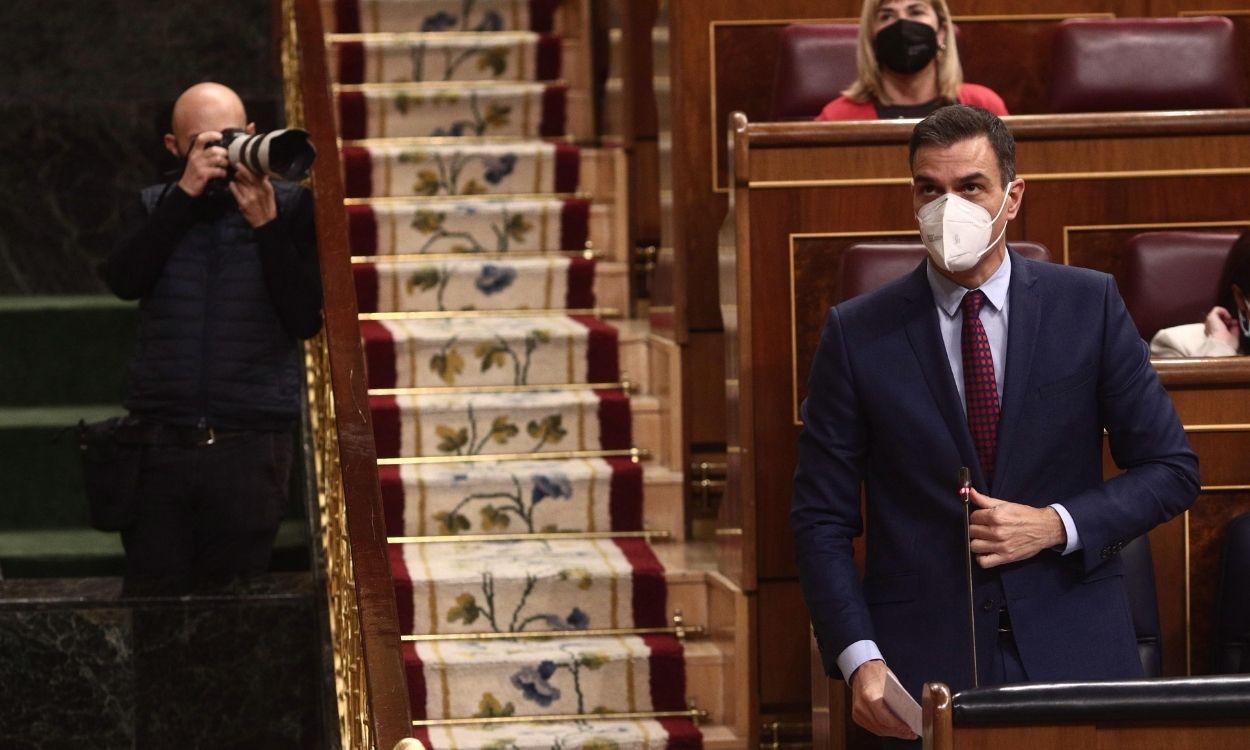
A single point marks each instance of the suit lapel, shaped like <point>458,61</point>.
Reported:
<point>1025,317</point>
<point>920,320</point>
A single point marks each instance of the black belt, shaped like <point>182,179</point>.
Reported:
<point>153,433</point>
<point>1004,621</point>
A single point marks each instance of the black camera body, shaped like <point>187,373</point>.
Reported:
<point>282,154</point>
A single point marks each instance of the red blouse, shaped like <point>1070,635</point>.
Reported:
<point>969,93</point>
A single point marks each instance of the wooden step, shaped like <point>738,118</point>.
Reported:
<point>401,167</point>
<point>413,226</point>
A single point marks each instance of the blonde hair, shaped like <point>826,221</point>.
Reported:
<point>867,86</point>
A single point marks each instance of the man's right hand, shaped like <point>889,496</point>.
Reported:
<point>868,707</point>
<point>203,164</point>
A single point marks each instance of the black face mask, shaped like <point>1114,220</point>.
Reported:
<point>906,47</point>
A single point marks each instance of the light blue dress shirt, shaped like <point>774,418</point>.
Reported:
<point>948,296</point>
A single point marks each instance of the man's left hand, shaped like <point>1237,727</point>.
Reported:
<point>1004,532</point>
<point>255,196</point>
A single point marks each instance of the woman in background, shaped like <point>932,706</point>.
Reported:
<point>908,65</point>
<point>1226,330</point>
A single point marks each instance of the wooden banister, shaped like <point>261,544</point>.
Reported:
<point>1033,127</point>
<point>372,690</point>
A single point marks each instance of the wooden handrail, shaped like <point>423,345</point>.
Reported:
<point>1033,127</point>
<point>387,714</point>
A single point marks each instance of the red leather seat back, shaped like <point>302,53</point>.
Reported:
<point>870,265</point>
<point>815,62</point>
<point>1172,278</point>
<point>1118,65</point>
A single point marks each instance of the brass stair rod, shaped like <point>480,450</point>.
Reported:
<point>541,536</point>
<point>634,454</point>
<point>681,633</point>
<point>336,88</point>
<point>598,312</point>
<point>694,714</point>
<point>623,385</point>
<point>476,198</point>
<point>449,140</point>
<point>396,258</point>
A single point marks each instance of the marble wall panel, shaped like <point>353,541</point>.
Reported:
<point>85,87</point>
<point>81,666</point>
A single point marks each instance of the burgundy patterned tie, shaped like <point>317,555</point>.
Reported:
<point>980,390</point>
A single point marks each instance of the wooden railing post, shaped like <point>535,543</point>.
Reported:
<point>939,733</point>
<point>369,669</point>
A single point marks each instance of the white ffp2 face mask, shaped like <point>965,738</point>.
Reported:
<point>956,231</point>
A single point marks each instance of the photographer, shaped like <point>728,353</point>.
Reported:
<point>225,265</point>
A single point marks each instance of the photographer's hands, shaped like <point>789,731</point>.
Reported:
<point>252,192</point>
<point>255,196</point>
<point>204,163</point>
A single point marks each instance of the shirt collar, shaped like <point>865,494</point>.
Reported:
<point>948,295</point>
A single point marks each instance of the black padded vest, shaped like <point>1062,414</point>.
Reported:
<point>211,349</point>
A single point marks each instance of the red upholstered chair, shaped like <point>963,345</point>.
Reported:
<point>815,62</point>
<point>1172,278</point>
<point>1119,65</point>
<point>870,265</point>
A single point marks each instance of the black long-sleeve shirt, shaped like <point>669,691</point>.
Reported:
<point>287,247</point>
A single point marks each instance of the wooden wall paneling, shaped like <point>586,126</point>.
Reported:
<point>1205,543</point>
<point>728,49</point>
<point>1211,398</point>
<point>783,656</point>
<point>705,365</point>
<point>640,124</point>
<point>698,208</point>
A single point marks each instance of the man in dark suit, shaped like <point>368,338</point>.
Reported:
<point>1013,368</point>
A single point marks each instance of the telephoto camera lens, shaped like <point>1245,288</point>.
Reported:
<point>283,154</point>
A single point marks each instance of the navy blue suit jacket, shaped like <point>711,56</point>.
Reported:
<point>882,410</point>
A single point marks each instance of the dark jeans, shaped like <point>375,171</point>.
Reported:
<point>206,514</point>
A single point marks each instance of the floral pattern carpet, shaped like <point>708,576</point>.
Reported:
<point>491,357</point>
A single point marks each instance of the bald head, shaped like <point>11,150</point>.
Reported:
<point>203,108</point>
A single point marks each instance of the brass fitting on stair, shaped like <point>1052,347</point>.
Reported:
<point>540,536</point>
<point>707,486</point>
<point>681,633</point>
<point>679,625</point>
<point>635,455</point>
<point>694,714</point>
<point>776,735</point>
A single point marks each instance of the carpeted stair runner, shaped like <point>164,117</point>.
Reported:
<point>488,351</point>
<point>495,284</point>
<point>434,57</point>
<point>355,16</point>
<point>486,256</point>
<point>512,167</point>
<point>665,734</point>
<point>514,587</point>
<point>513,497</point>
<point>482,424</point>
<point>518,110</point>
<point>456,225</point>
<point>522,678</point>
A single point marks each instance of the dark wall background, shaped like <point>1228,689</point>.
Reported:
<point>85,89</point>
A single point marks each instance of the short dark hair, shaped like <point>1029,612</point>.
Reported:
<point>1236,271</point>
<point>960,122</point>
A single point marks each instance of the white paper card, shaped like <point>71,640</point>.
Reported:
<point>900,702</point>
